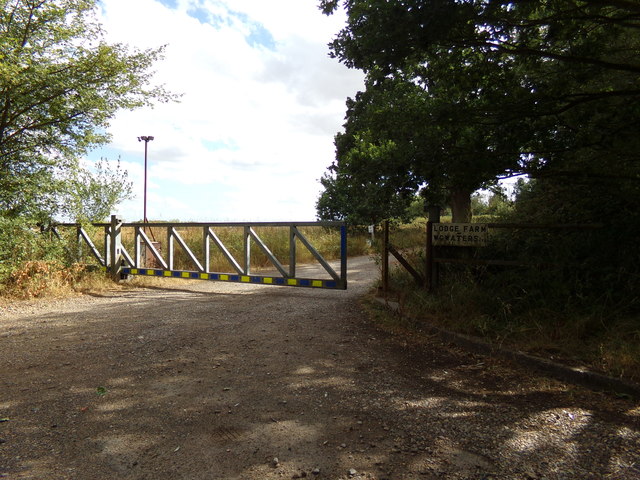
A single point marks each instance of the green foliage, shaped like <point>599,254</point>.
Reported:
<point>21,242</point>
<point>493,203</point>
<point>527,310</point>
<point>574,293</point>
<point>546,89</point>
<point>358,188</point>
<point>34,262</point>
<point>60,84</point>
<point>91,196</point>
<point>471,92</point>
<point>403,138</point>
<point>598,267</point>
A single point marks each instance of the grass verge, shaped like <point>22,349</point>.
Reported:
<point>604,340</point>
<point>58,276</point>
<point>51,278</point>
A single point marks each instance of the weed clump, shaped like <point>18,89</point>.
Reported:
<point>40,278</point>
<point>554,303</point>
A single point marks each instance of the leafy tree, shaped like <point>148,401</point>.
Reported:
<point>359,193</point>
<point>408,29</point>
<point>494,202</point>
<point>60,84</point>
<point>91,196</point>
<point>555,83</point>
<point>441,147</point>
<point>576,65</point>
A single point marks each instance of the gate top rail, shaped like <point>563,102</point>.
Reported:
<point>320,223</point>
<point>148,257</point>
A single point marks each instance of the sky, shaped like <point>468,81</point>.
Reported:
<point>261,103</point>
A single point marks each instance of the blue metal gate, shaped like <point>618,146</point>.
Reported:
<point>145,256</point>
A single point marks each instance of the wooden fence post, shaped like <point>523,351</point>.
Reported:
<point>79,243</point>
<point>385,259</point>
<point>115,248</point>
<point>428,274</point>
<point>431,274</point>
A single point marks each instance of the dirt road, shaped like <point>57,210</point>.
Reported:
<point>201,380</point>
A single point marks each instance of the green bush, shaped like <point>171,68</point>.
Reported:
<point>21,242</point>
<point>575,292</point>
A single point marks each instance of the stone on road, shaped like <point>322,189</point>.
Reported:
<point>203,380</point>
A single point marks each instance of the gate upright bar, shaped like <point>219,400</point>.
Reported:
<point>118,261</point>
<point>115,248</point>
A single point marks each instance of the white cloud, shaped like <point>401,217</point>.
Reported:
<point>261,103</point>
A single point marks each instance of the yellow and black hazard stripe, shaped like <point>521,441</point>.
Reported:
<point>235,278</point>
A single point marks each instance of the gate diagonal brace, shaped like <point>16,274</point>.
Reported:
<point>235,278</point>
<point>120,263</point>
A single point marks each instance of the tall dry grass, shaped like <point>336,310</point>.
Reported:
<point>72,267</point>
<point>51,278</point>
<point>325,240</point>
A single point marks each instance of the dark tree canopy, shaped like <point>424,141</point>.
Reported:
<point>547,89</point>
<point>592,34</point>
<point>401,138</point>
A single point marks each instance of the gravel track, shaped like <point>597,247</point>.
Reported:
<point>203,380</point>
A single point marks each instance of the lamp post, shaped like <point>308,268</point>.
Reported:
<point>146,140</point>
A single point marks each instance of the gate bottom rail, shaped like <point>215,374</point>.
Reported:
<point>237,278</point>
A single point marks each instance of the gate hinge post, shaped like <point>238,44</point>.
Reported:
<point>115,248</point>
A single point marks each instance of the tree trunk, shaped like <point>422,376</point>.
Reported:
<point>461,205</point>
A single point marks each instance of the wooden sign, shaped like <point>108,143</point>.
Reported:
<point>460,234</point>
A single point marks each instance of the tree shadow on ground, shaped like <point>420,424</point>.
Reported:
<point>174,385</point>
